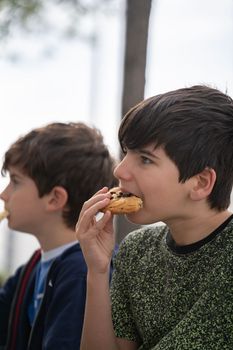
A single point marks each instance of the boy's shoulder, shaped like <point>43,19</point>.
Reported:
<point>149,233</point>
<point>70,261</point>
<point>139,241</point>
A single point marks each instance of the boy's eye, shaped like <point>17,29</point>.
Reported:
<point>14,180</point>
<point>146,160</point>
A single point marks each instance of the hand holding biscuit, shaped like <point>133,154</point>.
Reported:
<point>96,237</point>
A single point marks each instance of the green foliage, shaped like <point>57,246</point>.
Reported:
<point>33,15</point>
<point>17,13</point>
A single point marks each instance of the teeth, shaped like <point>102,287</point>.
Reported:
<point>3,215</point>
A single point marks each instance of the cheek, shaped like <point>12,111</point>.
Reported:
<point>158,196</point>
<point>21,207</point>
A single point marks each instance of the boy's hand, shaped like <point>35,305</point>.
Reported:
<point>96,237</point>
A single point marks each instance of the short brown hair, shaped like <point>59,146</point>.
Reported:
<point>71,155</point>
<point>194,125</point>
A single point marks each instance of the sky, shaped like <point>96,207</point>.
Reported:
<point>190,42</point>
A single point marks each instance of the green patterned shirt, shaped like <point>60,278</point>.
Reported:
<point>167,298</point>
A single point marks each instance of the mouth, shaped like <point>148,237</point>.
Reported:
<point>127,193</point>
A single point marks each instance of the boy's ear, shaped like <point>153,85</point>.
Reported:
<point>57,198</point>
<point>203,184</point>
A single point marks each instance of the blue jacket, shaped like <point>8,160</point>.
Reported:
<point>58,324</point>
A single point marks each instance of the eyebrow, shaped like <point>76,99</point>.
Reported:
<point>148,153</point>
<point>14,175</point>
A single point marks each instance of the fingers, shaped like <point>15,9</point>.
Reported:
<point>91,208</point>
<point>101,223</point>
<point>95,234</point>
<point>97,201</point>
<point>102,190</point>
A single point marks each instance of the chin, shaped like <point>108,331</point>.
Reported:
<point>135,218</point>
<point>139,218</point>
<point>16,228</point>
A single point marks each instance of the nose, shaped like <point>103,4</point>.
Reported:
<point>3,194</point>
<point>123,171</point>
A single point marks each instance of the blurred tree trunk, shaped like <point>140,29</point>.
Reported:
<point>137,23</point>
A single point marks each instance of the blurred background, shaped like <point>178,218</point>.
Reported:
<point>91,60</point>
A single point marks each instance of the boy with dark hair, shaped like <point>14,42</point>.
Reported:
<point>53,171</point>
<point>172,286</point>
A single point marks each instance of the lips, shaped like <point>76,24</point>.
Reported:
<point>127,192</point>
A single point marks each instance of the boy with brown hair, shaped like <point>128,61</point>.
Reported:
<point>53,171</point>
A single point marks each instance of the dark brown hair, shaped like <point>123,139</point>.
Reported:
<point>194,126</point>
<point>71,155</point>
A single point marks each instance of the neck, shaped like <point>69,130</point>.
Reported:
<point>193,229</point>
<point>58,236</point>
